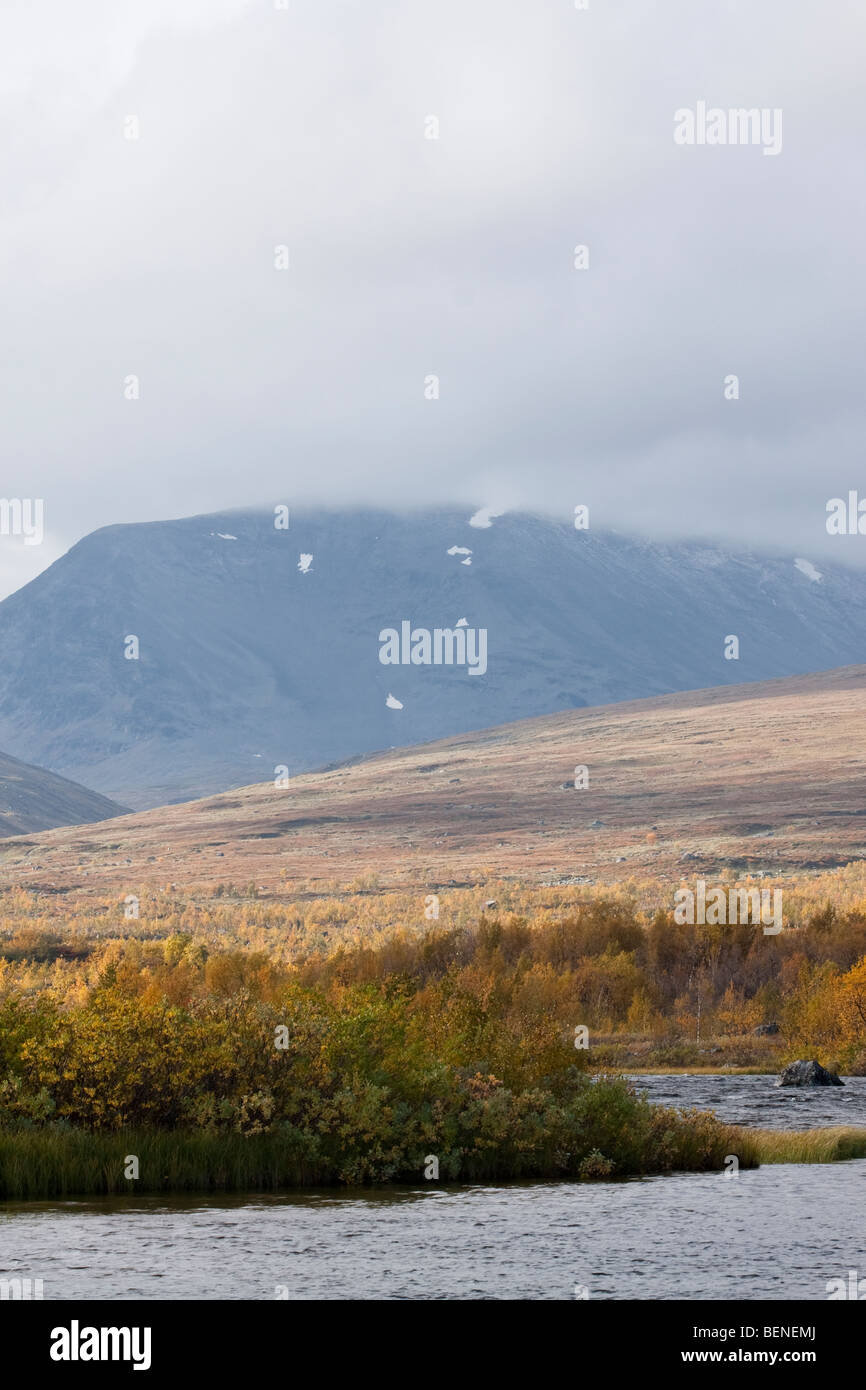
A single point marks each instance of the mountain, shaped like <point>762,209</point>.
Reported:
<point>251,659</point>
<point>32,799</point>
<point>763,778</point>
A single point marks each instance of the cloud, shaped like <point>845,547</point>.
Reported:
<point>409,257</point>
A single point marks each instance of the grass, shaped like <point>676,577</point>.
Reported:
<point>51,1163</point>
<point>42,1163</point>
<point>605,1131</point>
<point>831,1145</point>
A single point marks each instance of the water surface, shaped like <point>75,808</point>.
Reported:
<point>759,1102</point>
<point>778,1232</point>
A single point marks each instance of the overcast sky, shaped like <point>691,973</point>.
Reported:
<point>261,127</point>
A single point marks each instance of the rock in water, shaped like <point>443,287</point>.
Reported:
<point>804,1073</point>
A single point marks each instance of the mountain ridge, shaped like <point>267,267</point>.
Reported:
<point>251,659</point>
<point>33,799</point>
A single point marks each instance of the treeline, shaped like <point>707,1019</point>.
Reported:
<point>604,968</point>
<point>602,964</point>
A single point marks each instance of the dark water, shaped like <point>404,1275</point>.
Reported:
<point>778,1232</point>
<point>757,1101</point>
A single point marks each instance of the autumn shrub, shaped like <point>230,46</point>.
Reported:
<point>371,1079</point>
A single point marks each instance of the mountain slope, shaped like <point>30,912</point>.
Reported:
<point>247,663</point>
<point>768,777</point>
<point>32,799</point>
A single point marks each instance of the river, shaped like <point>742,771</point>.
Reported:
<point>779,1232</point>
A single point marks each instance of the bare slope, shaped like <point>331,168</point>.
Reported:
<point>770,776</point>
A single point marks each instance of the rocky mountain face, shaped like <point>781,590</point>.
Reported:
<point>164,661</point>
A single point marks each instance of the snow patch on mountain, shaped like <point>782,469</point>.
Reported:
<point>806,567</point>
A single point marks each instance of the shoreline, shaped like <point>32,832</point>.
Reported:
<point>699,1071</point>
<point>223,1164</point>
